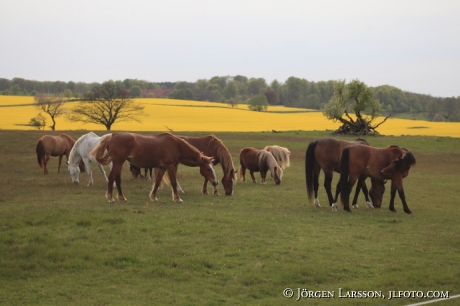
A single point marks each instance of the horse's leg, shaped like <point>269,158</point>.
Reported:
<point>204,189</point>
<point>121,197</point>
<point>392,197</point>
<point>351,183</point>
<point>111,181</point>
<point>362,185</point>
<point>59,164</point>
<point>216,191</point>
<point>90,172</point>
<point>173,178</point>
<point>243,173</point>
<point>327,186</point>
<point>316,171</point>
<point>45,163</point>
<point>159,172</point>
<point>396,184</point>
<point>263,175</point>
<point>252,176</point>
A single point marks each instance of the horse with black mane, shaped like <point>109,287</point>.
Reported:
<point>390,163</point>
<point>325,154</point>
<point>49,145</point>
<point>164,151</point>
<point>259,161</point>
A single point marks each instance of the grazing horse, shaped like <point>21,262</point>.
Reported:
<point>54,146</point>
<point>164,151</point>
<point>80,153</point>
<point>280,154</point>
<point>325,154</point>
<point>259,161</point>
<point>212,146</point>
<point>392,163</point>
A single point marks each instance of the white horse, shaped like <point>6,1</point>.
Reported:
<point>80,151</point>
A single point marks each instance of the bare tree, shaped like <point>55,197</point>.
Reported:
<point>106,104</point>
<point>51,105</point>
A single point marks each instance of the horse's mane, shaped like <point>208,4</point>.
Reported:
<point>224,156</point>
<point>361,140</point>
<point>189,146</point>
<point>281,155</point>
<point>408,159</point>
<point>72,141</point>
<point>271,162</point>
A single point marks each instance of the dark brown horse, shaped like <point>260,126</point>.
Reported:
<point>259,161</point>
<point>48,146</point>
<point>325,154</point>
<point>391,163</point>
<point>164,151</point>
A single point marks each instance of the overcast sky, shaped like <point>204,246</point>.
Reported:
<point>411,44</point>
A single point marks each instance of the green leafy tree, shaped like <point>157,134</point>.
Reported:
<point>258,103</point>
<point>356,98</point>
<point>135,91</point>
<point>231,90</point>
<point>106,104</point>
<point>53,105</point>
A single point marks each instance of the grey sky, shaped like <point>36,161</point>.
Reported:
<point>411,44</point>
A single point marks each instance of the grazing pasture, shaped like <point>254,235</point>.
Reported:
<point>63,244</point>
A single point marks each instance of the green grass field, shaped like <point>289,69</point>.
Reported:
<point>64,244</point>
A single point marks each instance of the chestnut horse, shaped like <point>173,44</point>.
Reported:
<point>259,161</point>
<point>80,153</point>
<point>164,151</point>
<point>391,163</point>
<point>211,146</point>
<point>280,154</point>
<point>54,146</point>
<point>325,154</point>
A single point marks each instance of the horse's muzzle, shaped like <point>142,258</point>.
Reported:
<point>76,182</point>
<point>229,193</point>
<point>278,183</point>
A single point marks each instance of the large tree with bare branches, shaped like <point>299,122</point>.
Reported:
<point>106,104</point>
<point>358,99</point>
<point>51,105</point>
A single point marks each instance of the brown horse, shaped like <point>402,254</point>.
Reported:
<point>391,163</point>
<point>259,161</point>
<point>48,146</point>
<point>325,154</point>
<point>164,151</point>
<point>280,154</point>
<point>212,146</point>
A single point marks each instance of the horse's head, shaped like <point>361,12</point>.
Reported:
<point>376,192</point>
<point>228,181</point>
<point>74,172</point>
<point>207,170</point>
<point>400,165</point>
<point>277,174</point>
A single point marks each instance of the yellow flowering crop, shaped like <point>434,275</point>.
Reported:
<point>179,115</point>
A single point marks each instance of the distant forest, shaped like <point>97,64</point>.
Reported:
<point>294,92</point>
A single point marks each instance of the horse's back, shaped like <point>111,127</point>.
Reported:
<point>250,158</point>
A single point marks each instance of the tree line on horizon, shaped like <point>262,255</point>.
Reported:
<point>294,92</point>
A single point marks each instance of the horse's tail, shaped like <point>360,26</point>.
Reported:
<point>101,153</point>
<point>310,161</point>
<point>344,173</point>
<point>241,173</point>
<point>40,150</point>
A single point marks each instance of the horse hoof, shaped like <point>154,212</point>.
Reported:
<point>355,206</point>
<point>369,205</point>
<point>204,192</point>
<point>155,199</point>
<point>408,212</point>
<point>178,201</point>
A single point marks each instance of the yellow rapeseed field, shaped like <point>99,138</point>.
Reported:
<point>179,115</point>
